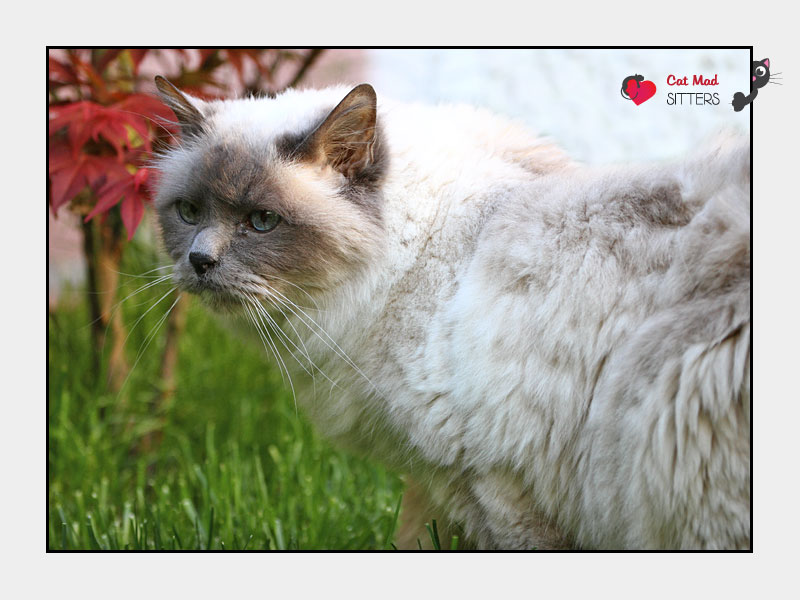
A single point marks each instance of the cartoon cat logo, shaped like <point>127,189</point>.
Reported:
<point>759,72</point>
<point>634,87</point>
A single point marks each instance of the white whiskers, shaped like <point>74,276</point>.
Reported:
<point>254,292</point>
<point>249,306</point>
<point>150,336</point>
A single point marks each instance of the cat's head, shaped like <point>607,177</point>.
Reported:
<point>759,73</point>
<point>271,196</point>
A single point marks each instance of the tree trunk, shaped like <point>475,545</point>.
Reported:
<point>92,299</point>
<point>108,264</point>
<point>176,322</point>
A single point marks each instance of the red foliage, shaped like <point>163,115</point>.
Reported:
<point>102,141</point>
<point>101,128</point>
<point>69,173</point>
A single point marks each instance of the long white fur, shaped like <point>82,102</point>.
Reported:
<point>534,359</point>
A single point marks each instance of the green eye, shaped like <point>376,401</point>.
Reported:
<point>188,212</point>
<point>264,220</point>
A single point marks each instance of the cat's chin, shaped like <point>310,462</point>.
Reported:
<point>218,300</point>
<point>222,303</point>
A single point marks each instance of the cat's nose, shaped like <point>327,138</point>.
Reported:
<point>201,262</point>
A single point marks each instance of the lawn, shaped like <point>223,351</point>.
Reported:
<point>227,464</point>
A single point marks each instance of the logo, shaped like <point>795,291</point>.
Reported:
<point>760,76</point>
<point>634,87</point>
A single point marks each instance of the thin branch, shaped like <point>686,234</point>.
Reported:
<point>309,60</point>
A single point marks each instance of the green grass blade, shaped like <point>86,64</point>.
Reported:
<point>95,545</point>
<point>393,525</point>
<point>434,534</point>
<point>177,537</point>
<point>210,529</point>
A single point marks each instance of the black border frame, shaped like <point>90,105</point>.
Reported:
<point>312,551</point>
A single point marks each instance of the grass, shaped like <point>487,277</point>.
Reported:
<point>235,467</point>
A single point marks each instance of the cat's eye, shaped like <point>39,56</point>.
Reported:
<point>264,220</point>
<point>760,71</point>
<point>188,212</point>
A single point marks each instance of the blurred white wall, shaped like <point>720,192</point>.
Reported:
<point>573,96</point>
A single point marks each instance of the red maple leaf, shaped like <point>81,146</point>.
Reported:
<point>144,113</point>
<point>89,74</point>
<point>59,73</point>
<point>70,174</point>
<point>137,56</point>
<point>131,192</point>
<point>72,169</point>
<point>106,58</point>
<point>84,120</point>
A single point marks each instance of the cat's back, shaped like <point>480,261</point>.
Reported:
<point>614,307</point>
<point>459,139</point>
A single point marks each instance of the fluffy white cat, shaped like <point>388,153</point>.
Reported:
<point>558,356</point>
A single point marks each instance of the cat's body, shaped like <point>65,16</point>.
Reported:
<point>558,355</point>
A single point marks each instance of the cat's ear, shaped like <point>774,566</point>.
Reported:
<point>766,62</point>
<point>189,116</point>
<point>346,137</point>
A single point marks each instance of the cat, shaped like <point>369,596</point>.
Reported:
<point>624,90</point>
<point>759,71</point>
<point>557,356</point>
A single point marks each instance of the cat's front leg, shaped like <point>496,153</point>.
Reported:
<point>740,100</point>
<point>509,519</point>
<point>418,508</point>
<point>486,512</point>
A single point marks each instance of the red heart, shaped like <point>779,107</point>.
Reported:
<point>644,92</point>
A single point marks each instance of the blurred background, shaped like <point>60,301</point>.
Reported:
<point>164,431</point>
<point>571,96</point>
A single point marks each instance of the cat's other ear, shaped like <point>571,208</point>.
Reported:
<point>766,62</point>
<point>345,139</point>
<point>189,116</point>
